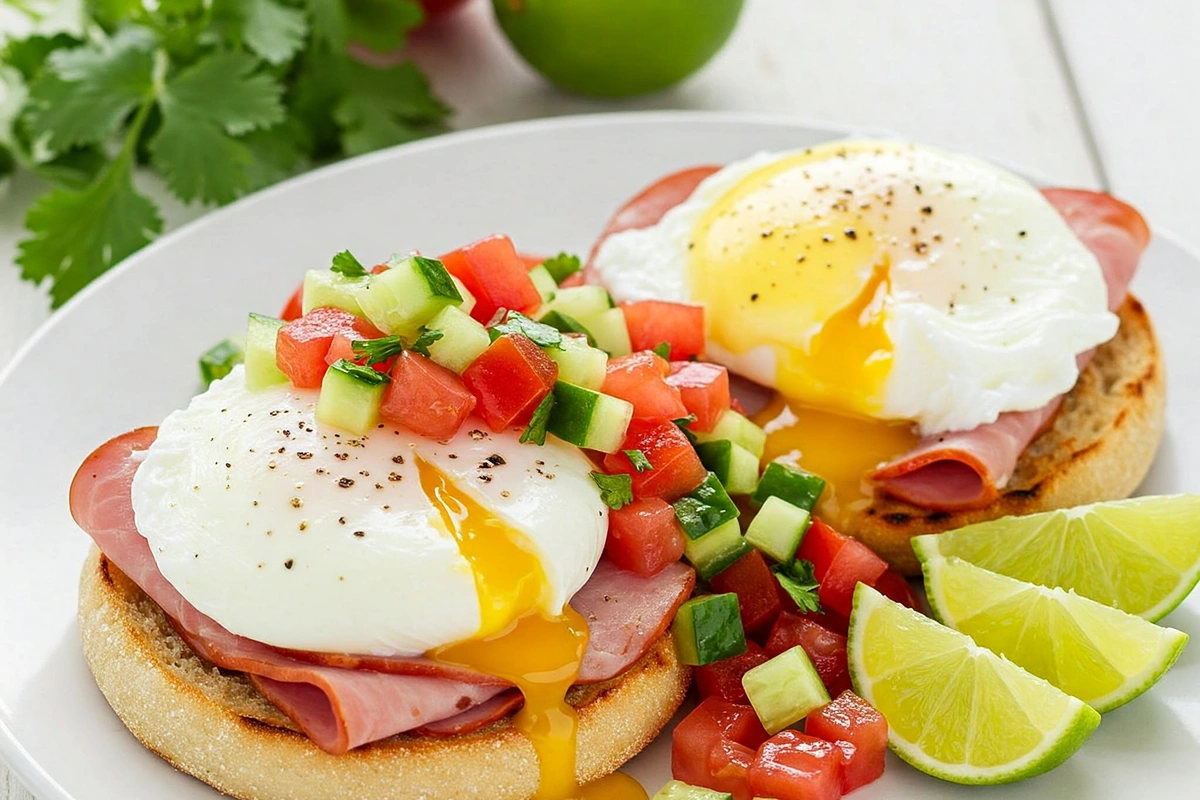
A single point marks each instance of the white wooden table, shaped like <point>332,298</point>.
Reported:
<point>1095,93</point>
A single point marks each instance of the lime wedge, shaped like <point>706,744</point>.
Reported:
<point>1103,656</point>
<point>1140,555</point>
<point>955,710</point>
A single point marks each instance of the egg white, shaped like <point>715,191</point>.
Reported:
<point>984,320</point>
<point>251,509</point>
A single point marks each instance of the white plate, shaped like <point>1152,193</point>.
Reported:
<point>123,354</point>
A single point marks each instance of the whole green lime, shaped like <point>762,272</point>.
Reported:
<point>616,48</point>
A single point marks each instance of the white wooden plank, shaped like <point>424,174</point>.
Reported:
<point>1137,66</point>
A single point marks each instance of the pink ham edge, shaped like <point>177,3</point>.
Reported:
<point>967,469</point>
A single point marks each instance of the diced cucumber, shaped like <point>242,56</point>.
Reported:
<point>609,330</point>
<point>220,359</point>
<point>580,302</point>
<point>736,466</point>
<point>785,689</point>
<point>777,529</point>
<point>705,508</point>
<point>468,299</point>
<point>261,369</point>
<point>587,418</point>
<point>739,430</point>
<point>323,287</point>
<point>580,364</point>
<point>800,488</point>
<point>716,550</point>
<point>408,295</point>
<point>542,281</point>
<point>566,324</point>
<point>678,790</point>
<point>351,396</point>
<point>709,628</point>
<point>463,341</point>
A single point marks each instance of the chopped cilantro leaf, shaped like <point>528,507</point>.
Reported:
<point>798,581</point>
<point>367,375</point>
<point>639,460</point>
<point>422,342</point>
<point>683,423</point>
<point>663,350</point>
<point>615,490</point>
<point>540,334</point>
<point>536,432</point>
<point>377,350</point>
<point>562,266</point>
<point>348,266</point>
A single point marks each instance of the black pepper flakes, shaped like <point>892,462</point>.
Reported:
<point>397,459</point>
<point>754,297</point>
<point>395,477</point>
<point>360,534</point>
<point>297,502</point>
<point>345,483</point>
<point>496,459</point>
<point>289,563</point>
<point>851,234</point>
<point>304,456</point>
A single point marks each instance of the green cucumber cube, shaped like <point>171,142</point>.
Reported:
<point>580,302</point>
<point>566,324</point>
<point>220,359</point>
<point>716,550</point>
<point>468,299</point>
<point>587,418</point>
<point>543,282</point>
<point>800,488</point>
<point>736,466</point>
<point>739,430</point>
<point>785,689</point>
<point>611,333</point>
<point>709,628</point>
<point>323,287</point>
<point>777,529</point>
<point>678,790</point>
<point>351,396</point>
<point>408,295</point>
<point>578,363</point>
<point>261,369</point>
<point>464,339</point>
<point>705,508</point>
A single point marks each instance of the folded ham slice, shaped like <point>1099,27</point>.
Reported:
<point>348,702</point>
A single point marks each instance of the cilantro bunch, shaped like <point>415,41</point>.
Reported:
<point>218,97</point>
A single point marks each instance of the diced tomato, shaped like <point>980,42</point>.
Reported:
<point>493,272</point>
<point>704,389</point>
<point>426,398</point>
<point>723,678</point>
<point>644,536</point>
<point>819,545</point>
<point>796,766</point>
<point>295,305</point>
<point>652,322</point>
<point>825,649</point>
<point>342,347</point>
<point>756,588</point>
<point>676,467</point>
<point>717,737</point>
<point>510,378</point>
<point>854,563</point>
<point>851,720</point>
<point>378,268</point>
<point>301,345</point>
<point>894,586</point>
<point>641,378</point>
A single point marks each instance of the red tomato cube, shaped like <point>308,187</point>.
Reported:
<point>756,588</point>
<point>652,322</point>
<point>717,737</point>
<point>819,545</point>
<point>295,305</point>
<point>796,766</point>
<point>894,586</point>
<point>301,345</point>
<point>729,769</point>
<point>723,678</point>
<point>426,398</point>
<point>640,378</point>
<point>676,467</point>
<point>704,389</point>
<point>851,720</point>
<point>493,272</point>
<point>644,536</point>
<point>854,563</point>
<point>510,378</point>
<point>825,649</point>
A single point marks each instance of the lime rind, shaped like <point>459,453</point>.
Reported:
<point>1140,555</point>
<point>1064,722</point>
<point>1059,632</point>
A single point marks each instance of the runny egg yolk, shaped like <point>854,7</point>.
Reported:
<point>537,652</point>
<point>785,261</point>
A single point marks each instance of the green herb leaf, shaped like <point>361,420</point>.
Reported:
<point>683,423</point>
<point>426,338</point>
<point>639,460</point>
<point>540,334</point>
<point>329,22</point>
<point>663,351</point>
<point>347,265</point>
<point>615,490</point>
<point>798,581</point>
<point>29,54</point>
<point>382,25</point>
<point>220,359</point>
<point>83,94</point>
<point>562,266</point>
<point>273,31</point>
<point>383,107</point>
<point>378,350</point>
<point>536,432</point>
<point>366,375</point>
